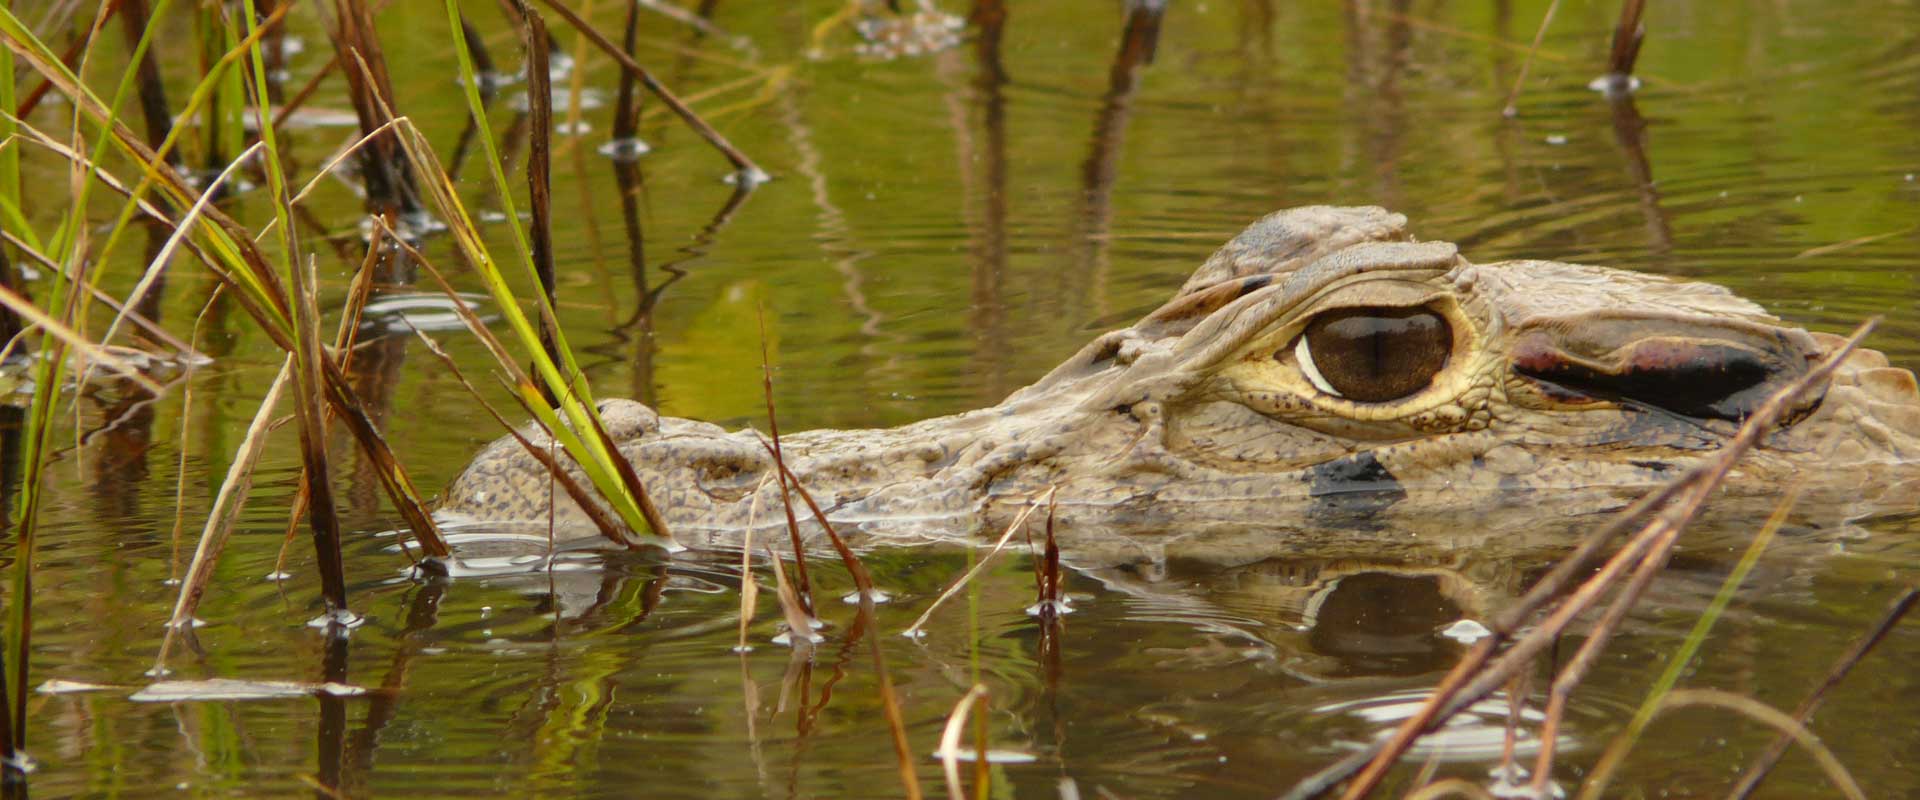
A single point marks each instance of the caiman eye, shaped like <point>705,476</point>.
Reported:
<point>1373,355</point>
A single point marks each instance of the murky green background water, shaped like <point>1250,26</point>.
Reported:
<point>943,229</point>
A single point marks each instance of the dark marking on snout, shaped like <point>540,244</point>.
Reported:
<point>1703,380</point>
<point>1357,486</point>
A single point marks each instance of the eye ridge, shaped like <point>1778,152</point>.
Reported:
<point>1373,354</point>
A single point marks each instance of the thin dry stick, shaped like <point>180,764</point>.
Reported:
<point>913,631</point>
<point>779,456</point>
<point>950,739</point>
<point>1470,680</point>
<point>151,328</point>
<point>533,33</point>
<point>172,244</point>
<point>1773,717</point>
<point>750,173</point>
<point>863,583</point>
<point>1570,675</point>
<point>749,588</point>
<point>1512,109</point>
<point>226,508</point>
<point>799,622</point>
<point>180,468</point>
<point>1895,612</point>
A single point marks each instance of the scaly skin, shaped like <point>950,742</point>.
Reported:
<point>1566,384</point>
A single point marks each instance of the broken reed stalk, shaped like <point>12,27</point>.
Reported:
<point>863,584</point>
<point>749,173</point>
<point>799,623</point>
<point>1896,610</point>
<point>749,588</point>
<point>913,631</point>
<point>310,394</point>
<point>950,741</point>
<point>1479,674</point>
<point>1627,36</point>
<point>1512,108</point>
<point>533,34</point>
<point>227,503</point>
<point>779,457</point>
<point>1047,593</point>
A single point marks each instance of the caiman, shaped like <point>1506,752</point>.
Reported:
<point>1323,379</point>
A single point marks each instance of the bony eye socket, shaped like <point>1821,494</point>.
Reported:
<point>1373,355</point>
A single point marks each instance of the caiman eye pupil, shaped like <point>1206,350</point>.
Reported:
<point>1373,355</point>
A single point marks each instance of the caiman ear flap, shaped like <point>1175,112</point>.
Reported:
<point>1287,240</point>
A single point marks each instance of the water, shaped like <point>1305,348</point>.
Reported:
<point>939,232</point>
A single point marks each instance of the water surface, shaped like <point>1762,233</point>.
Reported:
<point>941,230</point>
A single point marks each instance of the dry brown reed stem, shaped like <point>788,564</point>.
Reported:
<point>1512,108</point>
<point>533,34</point>
<point>779,456</point>
<point>913,631</point>
<point>1047,594</point>
<point>227,504</point>
<point>70,58</point>
<point>1896,610</point>
<point>383,167</point>
<point>750,173</point>
<point>799,623</point>
<point>1627,37</point>
<point>626,109</point>
<point>950,740</point>
<point>1472,679</point>
<point>322,516</point>
<point>863,583</point>
<point>148,326</point>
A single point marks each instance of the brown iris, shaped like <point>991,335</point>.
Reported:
<point>1373,355</point>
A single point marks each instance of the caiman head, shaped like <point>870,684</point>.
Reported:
<point>1322,372</point>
